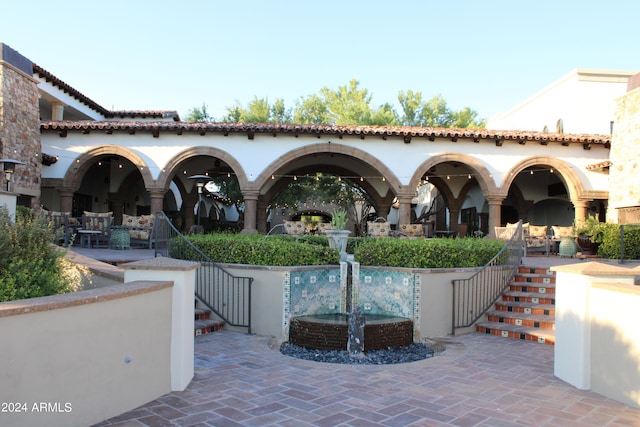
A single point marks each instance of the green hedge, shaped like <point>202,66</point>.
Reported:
<point>30,266</point>
<point>423,253</point>
<point>314,250</point>
<point>608,238</point>
<point>258,249</point>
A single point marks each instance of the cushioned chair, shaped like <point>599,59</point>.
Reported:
<point>98,221</point>
<point>59,222</point>
<point>323,227</point>
<point>537,239</point>
<point>411,230</point>
<point>378,229</point>
<point>295,228</point>
<point>140,228</point>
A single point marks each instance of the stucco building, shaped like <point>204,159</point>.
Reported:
<point>80,156</point>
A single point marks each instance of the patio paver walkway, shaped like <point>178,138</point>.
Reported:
<point>478,380</point>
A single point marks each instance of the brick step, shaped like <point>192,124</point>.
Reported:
<point>521,319</point>
<point>527,308</point>
<point>523,269</point>
<point>206,326</point>
<point>539,288</point>
<point>542,336</point>
<point>534,278</point>
<point>202,313</point>
<point>531,297</point>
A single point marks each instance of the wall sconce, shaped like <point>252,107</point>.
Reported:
<point>9,169</point>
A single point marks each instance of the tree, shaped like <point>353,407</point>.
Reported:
<point>199,115</point>
<point>311,110</point>
<point>435,112</point>
<point>259,110</point>
<point>350,105</point>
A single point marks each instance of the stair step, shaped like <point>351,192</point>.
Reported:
<point>542,336</point>
<point>521,319</point>
<point>523,269</point>
<point>206,326</point>
<point>532,297</point>
<point>540,288</point>
<point>526,310</point>
<point>534,278</point>
<point>202,313</point>
<point>526,307</point>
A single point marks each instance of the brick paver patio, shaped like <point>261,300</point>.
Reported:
<point>478,380</point>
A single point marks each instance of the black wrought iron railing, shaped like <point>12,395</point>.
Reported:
<point>472,297</point>
<point>228,296</point>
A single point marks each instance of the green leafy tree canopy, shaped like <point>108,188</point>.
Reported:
<point>350,105</point>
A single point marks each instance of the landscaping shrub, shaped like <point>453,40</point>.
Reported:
<point>313,250</point>
<point>30,266</point>
<point>608,238</point>
<point>423,253</point>
<point>258,250</point>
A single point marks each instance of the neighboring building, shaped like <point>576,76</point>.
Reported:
<point>583,101</point>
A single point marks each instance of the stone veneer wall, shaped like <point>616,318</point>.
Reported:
<point>20,123</point>
<point>624,177</point>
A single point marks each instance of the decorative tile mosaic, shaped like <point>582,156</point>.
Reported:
<point>389,293</point>
<point>314,292</point>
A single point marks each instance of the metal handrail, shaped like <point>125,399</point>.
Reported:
<point>472,297</point>
<point>228,296</point>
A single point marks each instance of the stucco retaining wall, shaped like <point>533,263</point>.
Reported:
<point>77,359</point>
<point>597,340</point>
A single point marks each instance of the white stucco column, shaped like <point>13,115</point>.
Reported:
<point>57,110</point>
<point>183,275</point>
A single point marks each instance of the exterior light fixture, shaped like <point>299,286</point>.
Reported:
<point>200,181</point>
<point>9,169</point>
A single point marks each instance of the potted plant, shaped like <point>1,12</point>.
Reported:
<point>339,219</point>
<point>338,235</point>
<point>587,232</point>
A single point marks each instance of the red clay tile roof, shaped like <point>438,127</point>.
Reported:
<point>599,166</point>
<point>407,132</point>
<point>97,107</point>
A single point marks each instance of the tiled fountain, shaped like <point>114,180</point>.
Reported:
<point>318,304</point>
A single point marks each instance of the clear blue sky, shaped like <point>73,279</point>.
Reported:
<point>176,55</point>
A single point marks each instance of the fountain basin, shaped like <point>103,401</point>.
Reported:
<point>330,331</point>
